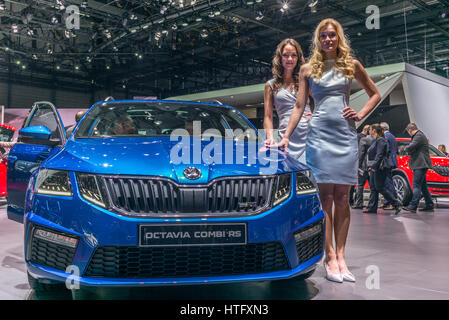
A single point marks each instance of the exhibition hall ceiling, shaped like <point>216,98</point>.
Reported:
<point>173,47</point>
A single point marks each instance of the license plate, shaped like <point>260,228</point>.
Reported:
<point>157,235</point>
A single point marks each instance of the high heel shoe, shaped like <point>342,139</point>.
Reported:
<point>348,277</point>
<point>333,277</point>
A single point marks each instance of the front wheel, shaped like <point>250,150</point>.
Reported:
<point>403,189</point>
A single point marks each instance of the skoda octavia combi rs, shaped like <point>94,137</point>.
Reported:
<point>159,192</point>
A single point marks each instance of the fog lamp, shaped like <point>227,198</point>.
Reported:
<point>56,238</point>
<point>303,235</point>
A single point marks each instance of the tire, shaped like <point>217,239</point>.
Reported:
<point>403,189</point>
<point>41,287</point>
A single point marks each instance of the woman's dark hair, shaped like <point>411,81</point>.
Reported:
<point>378,129</point>
<point>278,69</point>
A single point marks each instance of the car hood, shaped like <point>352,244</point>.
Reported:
<point>162,157</point>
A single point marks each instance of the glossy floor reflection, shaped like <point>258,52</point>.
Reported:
<point>392,257</point>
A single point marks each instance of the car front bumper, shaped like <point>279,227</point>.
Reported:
<point>95,228</point>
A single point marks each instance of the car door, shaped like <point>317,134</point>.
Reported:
<point>28,153</point>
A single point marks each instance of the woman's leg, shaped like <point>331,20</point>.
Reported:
<point>327,200</point>
<point>342,218</point>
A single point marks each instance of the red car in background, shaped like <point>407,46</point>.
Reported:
<point>6,134</point>
<point>437,178</point>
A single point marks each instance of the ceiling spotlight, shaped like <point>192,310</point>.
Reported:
<point>165,32</point>
<point>88,59</point>
<point>157,36</point>
<point>443,15</point>
<point>124,86</point>
<point>34,57</point>
<point>18,62</point>
<point>108,67</point>
<point>114,48</point>
<point>259,15</point>
<point>58,67</point>
<point>184,24</point>
<point>284,7</point>
<point>2,6</point>
<point>249,2</point>
<point>193,2</point>
<point>54,20</point>
<point>60,5</point>
<point>30,32</point>
<point>163,9</point>
<point>83,4</point>
<point>77,67</point>
<point>312,5</point>
<point>198,19</point>
<point>67,34</point>
<point>258,1</point>
<point>211,14</point>
<point>107,33</point>
<point>15,28</point>
<point>24,67</point>
<point>49,51</point>
<point>217,12</point>
<point>174,26</point>
<point>204,34</point>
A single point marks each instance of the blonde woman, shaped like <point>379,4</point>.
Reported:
<point>331,149</point>
<point>281,92</point>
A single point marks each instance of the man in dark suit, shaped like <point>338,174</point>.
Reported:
<point>420,162</point>
<point>392,162</point>
<point>363,176</point>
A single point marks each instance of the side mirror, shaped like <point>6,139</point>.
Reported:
<point>36,132</point>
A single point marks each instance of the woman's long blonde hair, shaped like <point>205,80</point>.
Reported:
<point>344,60</point>
<point>278,70</point>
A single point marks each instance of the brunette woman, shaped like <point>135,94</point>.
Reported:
<point>281,92</point>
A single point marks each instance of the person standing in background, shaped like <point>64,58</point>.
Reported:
<point>442,148</point>
<point>281,92</point>
<point>392,163</point>
<point>378,168</point>
<point>420,162</point>
<point>364,144</point>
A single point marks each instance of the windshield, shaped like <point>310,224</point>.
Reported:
<point>434,152</point>
<point>156,119</point>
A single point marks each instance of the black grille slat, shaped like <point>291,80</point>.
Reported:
<point>142,196</point>
<point>312,246</point>
<point>167,262</point>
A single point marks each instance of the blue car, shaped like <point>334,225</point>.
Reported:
<point>154,192</point>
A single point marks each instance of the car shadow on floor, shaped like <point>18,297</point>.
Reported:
<point>265,290</point>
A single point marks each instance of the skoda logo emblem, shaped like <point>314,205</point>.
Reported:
<point>192,173</point>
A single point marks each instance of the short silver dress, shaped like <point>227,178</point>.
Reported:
<point>284,100</point>
<point>331,148</point>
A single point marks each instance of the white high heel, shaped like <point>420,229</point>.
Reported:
<point>348,277</point>
<point>333,277</point>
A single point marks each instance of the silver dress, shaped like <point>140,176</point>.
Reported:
<point>332,150</point>
<point>284,100</point>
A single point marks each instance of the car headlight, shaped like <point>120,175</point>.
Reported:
<point>89,189</point>
<point>54,182</point>
<point>305,183</point>
<point>283,188</point>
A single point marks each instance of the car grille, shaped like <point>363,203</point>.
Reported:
<point>158,197</point>
<point>186,261</point>
<point>442,170</point>
<point>438,185</point>
<point>50,254</point>
<point>311,246</point>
